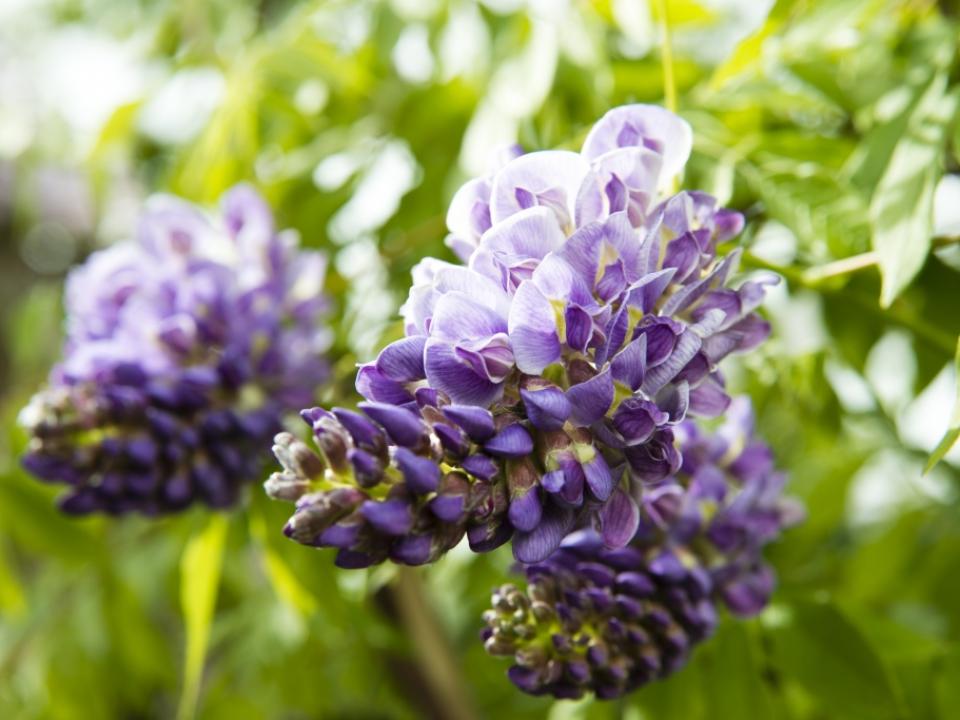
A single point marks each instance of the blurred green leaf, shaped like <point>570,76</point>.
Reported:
<point>901,211</point>
<point>199,579</point>
<point>819,648</point>
<point>953,430</point>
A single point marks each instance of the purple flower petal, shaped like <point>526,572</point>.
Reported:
<point>403,360</point>
<point>374,385</point>
<point>599,478</point>
<point>619,519</point>
<point>539,543</point>
<point>709,399</point>
<point>590,400</point>
<point>630,365</point>
<point>526,510</point>
<point>448,508</point>
<point>451,374</point>
<point>688,345</point>
<point>533,330</point>
<point>648,126</point>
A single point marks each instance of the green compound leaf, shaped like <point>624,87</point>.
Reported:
<point>199,580</point>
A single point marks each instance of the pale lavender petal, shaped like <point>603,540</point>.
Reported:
<point>533,330</point>
<point>649,126</point>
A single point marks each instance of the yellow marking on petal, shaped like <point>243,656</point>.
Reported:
<point>584,453</point>
<point>559,319</point>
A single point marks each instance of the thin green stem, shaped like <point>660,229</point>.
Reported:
<point>897,314</point>
<point>666,56</point>
<point>441,669</point>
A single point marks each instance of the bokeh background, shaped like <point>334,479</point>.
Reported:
<point>831,124</point>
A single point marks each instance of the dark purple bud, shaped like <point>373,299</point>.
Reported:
<point>403,427</point>
<point>390,517</point>
<point>489,535</point>
<point>476,422</point>
<point>452,439</point>
<point>355,560</point>
<point>537,544</point>
<point>367,469</point>
<point>448,508</point>
<point>526,679</point>
<point>421,474</point>
<point>362,431</point>
<point>668,566</point>
<point>634,583</point>
<point>481,466</point>
<point>512,441</point>
<point>412,550</point>
<point>547,409</point>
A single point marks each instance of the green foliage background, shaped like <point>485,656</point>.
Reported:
<point>828,123</point>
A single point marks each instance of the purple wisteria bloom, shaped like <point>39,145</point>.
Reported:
<point>608,621</point>
<point>589,315</point>
<point>184,349</point>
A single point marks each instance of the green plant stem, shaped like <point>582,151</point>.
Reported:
<point>666,57</point>
<point>434,656</point>
<point>897,313</point>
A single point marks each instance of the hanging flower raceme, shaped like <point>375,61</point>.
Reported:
<point>608,621</point>
<point>184,349</point>
<point>587,319</point>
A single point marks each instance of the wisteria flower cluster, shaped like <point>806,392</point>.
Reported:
<point>547,393</point>
<point>540,381</point>
<point>184,349</point>
<point>610,620</point>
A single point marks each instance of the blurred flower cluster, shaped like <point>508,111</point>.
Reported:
<point>184,349</point>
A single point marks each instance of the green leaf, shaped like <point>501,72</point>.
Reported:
<point>199,579</point>
<point>282,578</point>
<point>826,654</point>
<point>953,430</point>
<point>732,673</point>
<point>948,689</point>
<point>901,212</point>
